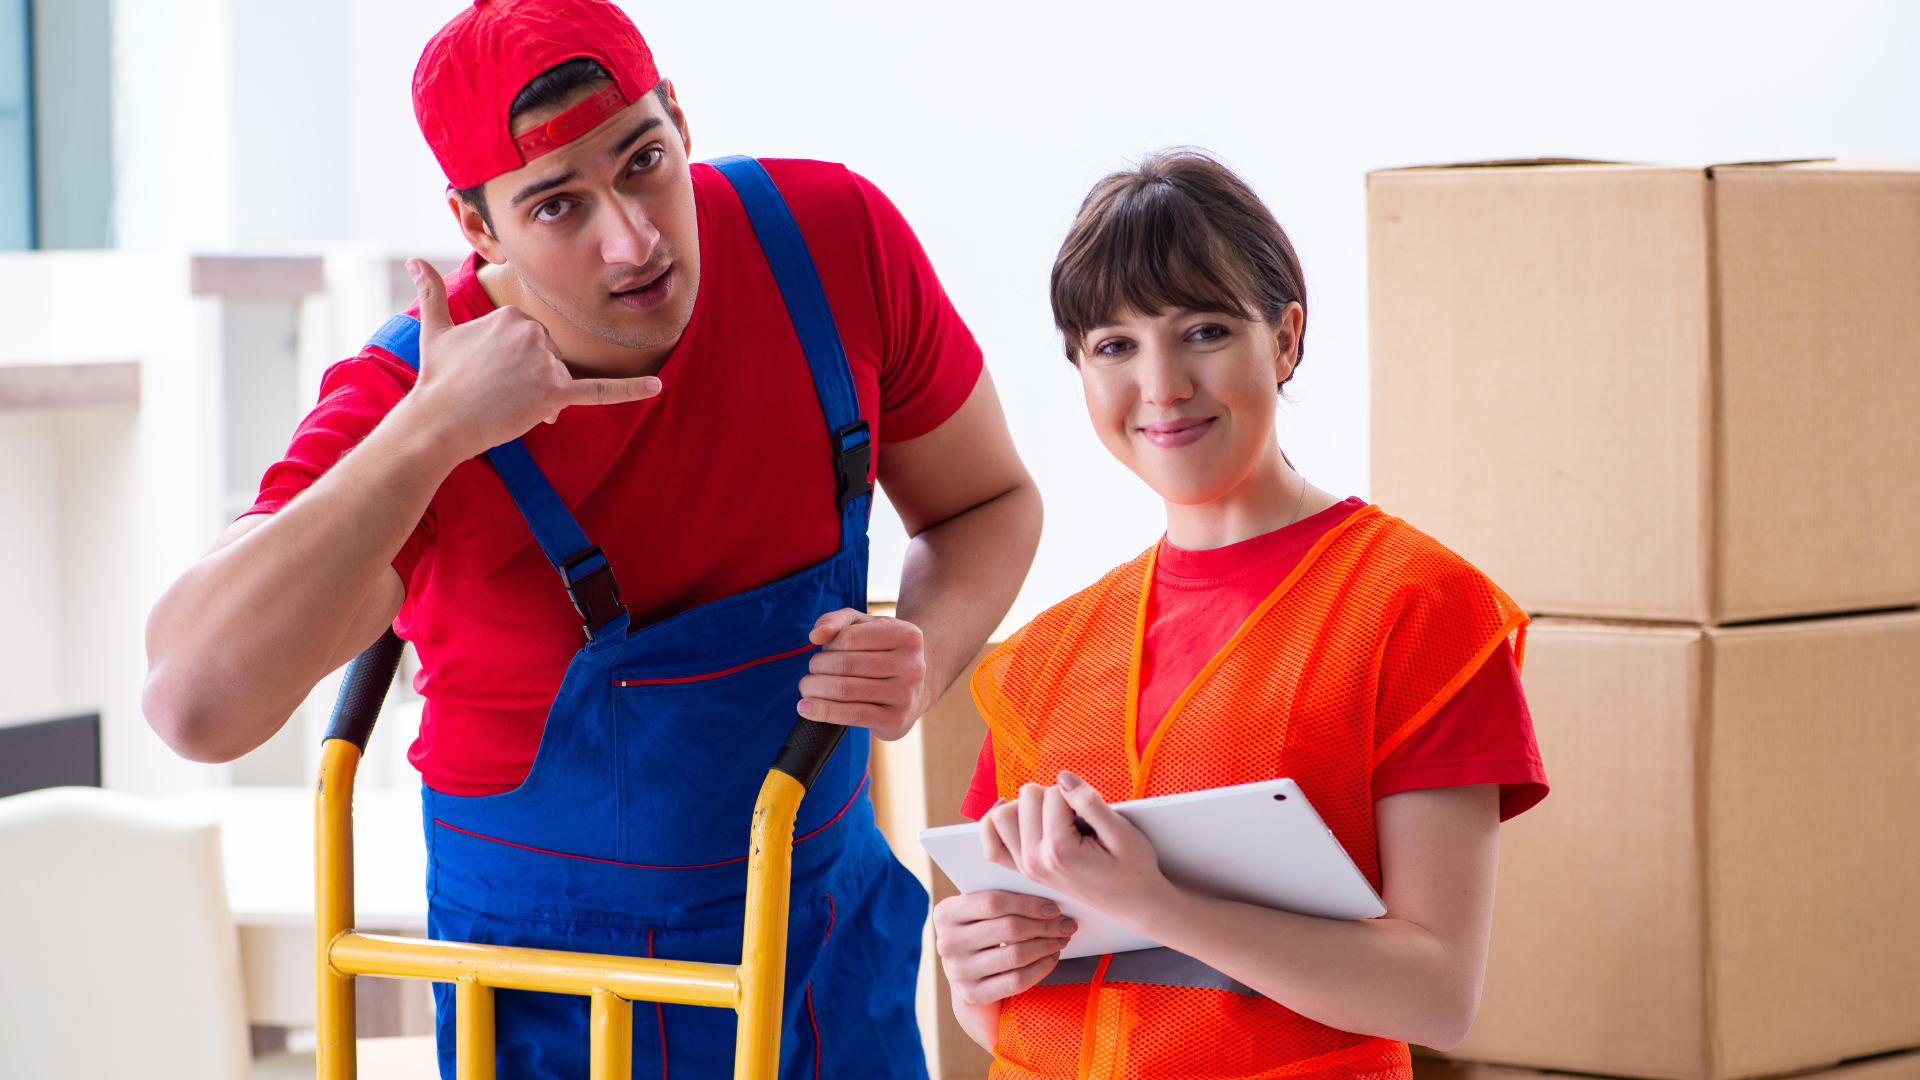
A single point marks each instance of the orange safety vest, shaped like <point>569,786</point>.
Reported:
<point>1364,641</point>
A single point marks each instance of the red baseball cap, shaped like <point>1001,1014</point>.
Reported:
<point>474,67</point>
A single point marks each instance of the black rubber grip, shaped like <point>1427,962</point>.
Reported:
<point>807,749</point>
<point>364,690</point>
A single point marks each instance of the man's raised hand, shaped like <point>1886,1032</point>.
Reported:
<point>870,672</point>
<point>488,381</point>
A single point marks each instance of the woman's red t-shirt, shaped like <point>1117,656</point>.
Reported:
<point>1483,735</point>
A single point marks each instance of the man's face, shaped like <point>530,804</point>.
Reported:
<point>603,230</point>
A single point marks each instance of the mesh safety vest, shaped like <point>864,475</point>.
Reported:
<point>1364,641</point>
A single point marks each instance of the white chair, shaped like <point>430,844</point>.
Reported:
<point>118,955</point>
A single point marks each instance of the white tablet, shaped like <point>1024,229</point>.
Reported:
<point>1257,843</point>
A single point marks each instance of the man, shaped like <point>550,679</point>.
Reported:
<point>676,374</point>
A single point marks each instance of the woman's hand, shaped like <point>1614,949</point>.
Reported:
<point>1114,869</point>
<point>993,945</point>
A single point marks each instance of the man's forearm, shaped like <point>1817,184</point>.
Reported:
<point>244,634</point>
<point>961,577</point>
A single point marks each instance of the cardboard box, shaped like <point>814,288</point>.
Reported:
<point>918,783</point>
<point>1725,881</point>
<point>1655,392</point>
<point>1886,1067</point>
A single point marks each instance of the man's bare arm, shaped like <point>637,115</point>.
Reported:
<point>240,639</point>
<point>974,515</point>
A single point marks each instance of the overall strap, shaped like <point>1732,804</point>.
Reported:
<point>582,565</point>
<point>806,299</point>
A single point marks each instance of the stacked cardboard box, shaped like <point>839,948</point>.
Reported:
<point>1676,413</point>
<point>1884,1067</point>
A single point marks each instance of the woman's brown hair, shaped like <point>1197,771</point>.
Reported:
<point>1180,232</point>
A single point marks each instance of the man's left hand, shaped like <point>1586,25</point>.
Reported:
<point>870,672</point>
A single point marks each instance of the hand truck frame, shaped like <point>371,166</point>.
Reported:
<point>754,988</point>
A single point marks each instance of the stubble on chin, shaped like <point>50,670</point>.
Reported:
<point>613,333</point>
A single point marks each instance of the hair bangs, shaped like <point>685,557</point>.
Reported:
<point>1150,253</point>
<point>1180,233</point>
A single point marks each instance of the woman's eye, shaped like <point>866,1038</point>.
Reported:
<point>1112,347</point>
<point>1209,332</point>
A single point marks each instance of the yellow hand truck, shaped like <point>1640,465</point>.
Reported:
<point>753,988</point>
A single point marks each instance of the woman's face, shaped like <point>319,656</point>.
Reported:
<point>1186,399</point>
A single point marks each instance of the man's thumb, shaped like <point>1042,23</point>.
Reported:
<point>432,293</point>
<point>828,626</point>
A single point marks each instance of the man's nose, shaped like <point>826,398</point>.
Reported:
<point>628,237</point>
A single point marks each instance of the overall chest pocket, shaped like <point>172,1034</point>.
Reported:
<point>693,752</point>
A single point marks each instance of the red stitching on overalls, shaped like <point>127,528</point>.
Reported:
<point>715,674</point>
<point>815,1021</point>
<point>651,866</point>
<point>832,911</point>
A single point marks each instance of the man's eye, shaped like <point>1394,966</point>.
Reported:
<point>550,210</point>
<point>647,159</point>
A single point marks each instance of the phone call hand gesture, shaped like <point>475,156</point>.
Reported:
<point>488,381</point>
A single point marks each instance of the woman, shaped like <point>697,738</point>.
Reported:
<point>1276,630</point>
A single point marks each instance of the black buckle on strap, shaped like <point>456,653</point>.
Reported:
<point>852,464</point>
<point>594,592</point>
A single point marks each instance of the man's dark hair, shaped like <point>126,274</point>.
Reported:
<point>1179,232</point>
<point>544,91</point>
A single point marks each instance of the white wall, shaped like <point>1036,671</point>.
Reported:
<point>113,501</point>
<point>988,121</point>
<point>173,185</point>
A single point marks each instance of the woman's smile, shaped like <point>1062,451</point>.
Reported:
<point>1178,432</point>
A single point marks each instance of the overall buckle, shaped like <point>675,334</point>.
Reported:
<point>852,464</point>
<point>590,585</point>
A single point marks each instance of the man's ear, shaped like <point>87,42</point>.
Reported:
<point>678,116</point>
<point>474,227</point>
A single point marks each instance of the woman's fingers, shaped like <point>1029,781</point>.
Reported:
<point>1057,826</point>
<point>993,944</point>
<point>988,947</point>
<point>1005,984</point>
<point>1031,802</point>
<point>1083,800</point>
<point>958,911</point>
<point>1000,835</point>
<point>986,963</point>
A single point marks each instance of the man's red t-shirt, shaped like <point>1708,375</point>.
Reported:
<point>721,484</point>
<point>1482,735</point>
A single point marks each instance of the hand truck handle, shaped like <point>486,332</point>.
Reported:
<point>364,690</point>
<point>809,744</point>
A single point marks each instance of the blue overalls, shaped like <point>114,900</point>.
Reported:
<point>629,835</point>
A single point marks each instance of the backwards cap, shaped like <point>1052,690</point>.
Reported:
<point>473,68</point>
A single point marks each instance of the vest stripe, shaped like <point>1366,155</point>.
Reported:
<point>1149,967</point>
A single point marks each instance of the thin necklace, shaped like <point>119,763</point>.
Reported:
<point>1298,503</point>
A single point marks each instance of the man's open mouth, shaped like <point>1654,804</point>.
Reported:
<point>648,292</point>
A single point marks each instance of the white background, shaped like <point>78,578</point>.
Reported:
<point>264,125</point>
<point>987,122</point>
